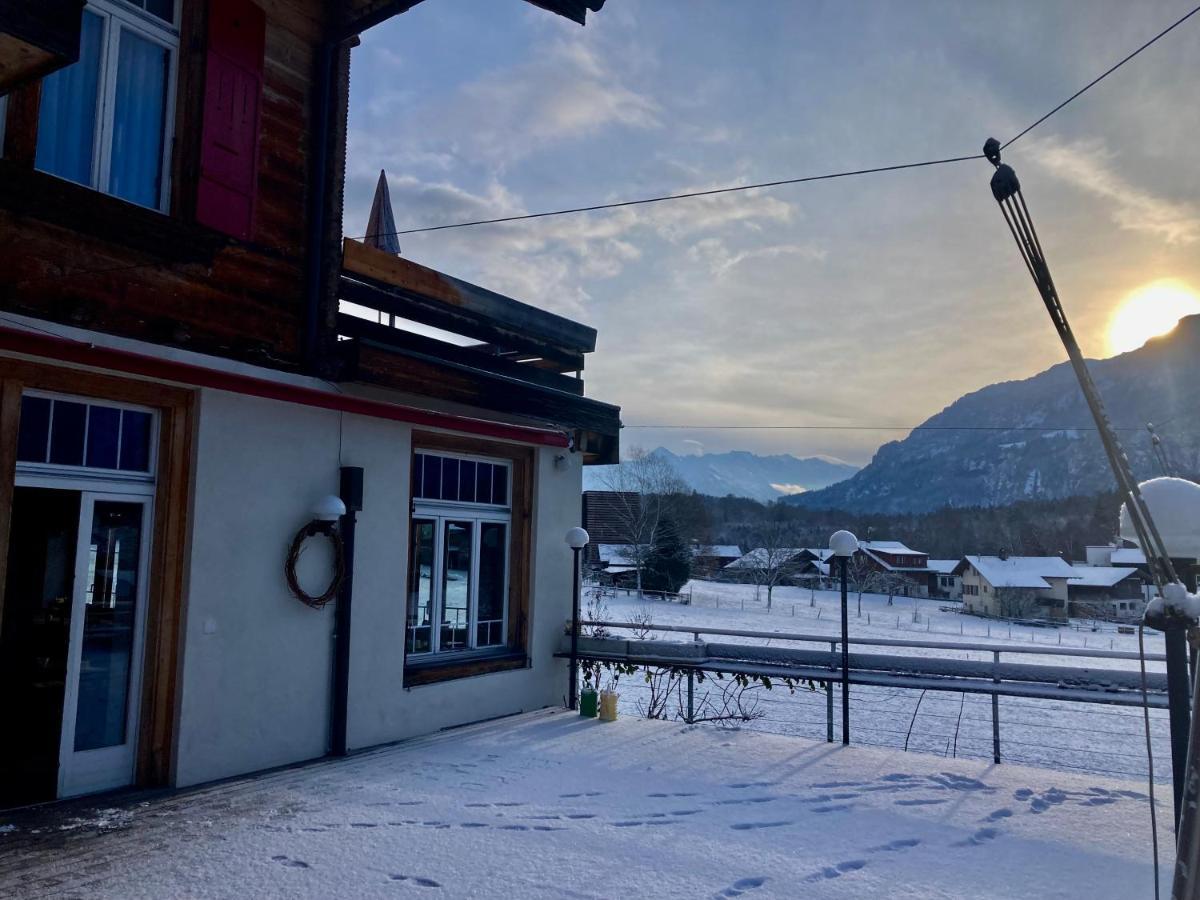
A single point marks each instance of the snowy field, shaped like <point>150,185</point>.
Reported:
<point>549,805</point>
<point>1080,737</point>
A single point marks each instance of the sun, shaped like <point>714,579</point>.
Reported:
<point>1149,311</point>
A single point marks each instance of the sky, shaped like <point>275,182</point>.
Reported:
<point>870,301</point>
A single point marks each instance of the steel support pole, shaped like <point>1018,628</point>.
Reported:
<point>351,494</point>
<point>996,710</point>
<point>1186,884</point>
<point>573,681</point>
<point>1179,695</point>
<point>829,692</point>
<point>845,656</point>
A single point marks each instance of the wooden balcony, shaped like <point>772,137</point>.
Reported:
<point>37,38</point>
<point>488,351</point>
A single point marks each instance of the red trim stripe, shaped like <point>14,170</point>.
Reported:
<point>66,350</point>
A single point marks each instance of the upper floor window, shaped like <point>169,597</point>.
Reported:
<point>105,121</point>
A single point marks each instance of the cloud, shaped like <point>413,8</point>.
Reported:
<point>720,259</point>
<point>550,262</point>
<point>695,447</point>
<point>1087,165</point>
<point>567,92</point>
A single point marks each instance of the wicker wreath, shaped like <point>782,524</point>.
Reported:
<point>339,564</point>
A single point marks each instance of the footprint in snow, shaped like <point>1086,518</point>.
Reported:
<point>833,807</point>
<point>921,802</point>
<point>289,862</point>
<point>416,879</point>
<point>753,826</point>
<point>980,837</point>
<point>741,886</point>
<point>836,871</point>
<point>896,846</point>
<point>998,814</point>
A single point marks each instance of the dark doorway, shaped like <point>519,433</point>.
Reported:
<point>34,638</point>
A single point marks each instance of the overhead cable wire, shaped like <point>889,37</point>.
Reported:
<point>665,197</point>
<point>687,195</point>
<point>1095,81</point>
<point>789,181</point>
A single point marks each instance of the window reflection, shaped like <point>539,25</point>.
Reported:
<point>108,626</point>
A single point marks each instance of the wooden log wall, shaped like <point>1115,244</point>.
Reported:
<point>73,255</point>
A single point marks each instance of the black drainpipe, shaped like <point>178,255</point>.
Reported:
<point>352,496</point>
<point>317,203</point>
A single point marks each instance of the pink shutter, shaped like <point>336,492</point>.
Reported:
<point>232,101</point>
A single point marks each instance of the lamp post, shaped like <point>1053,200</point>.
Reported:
<point>844,545</point>
<point>577,538</point>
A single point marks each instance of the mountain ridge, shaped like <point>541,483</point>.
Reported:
<point>742,473</point>
<point>1032,438</point>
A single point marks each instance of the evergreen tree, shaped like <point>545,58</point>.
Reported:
<point>670,563</point>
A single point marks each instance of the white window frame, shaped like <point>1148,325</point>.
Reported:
<point>119,15</point>
<point>441,512</point>
<point>51,474</point>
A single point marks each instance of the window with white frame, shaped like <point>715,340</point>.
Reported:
<point>459,554</point>
<point>66,435</point>
<point>106,120</point>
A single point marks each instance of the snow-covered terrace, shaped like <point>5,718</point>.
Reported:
<point>549,805</point>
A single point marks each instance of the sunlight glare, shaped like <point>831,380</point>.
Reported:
<point>1150,311</point>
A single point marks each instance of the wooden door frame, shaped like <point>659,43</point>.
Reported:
<point>168,557</point>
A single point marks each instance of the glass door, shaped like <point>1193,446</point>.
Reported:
<point>104,659</point>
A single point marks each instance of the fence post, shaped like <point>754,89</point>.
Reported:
<point>833,660</point>
<point>691,713</point>
<point>996,708</point>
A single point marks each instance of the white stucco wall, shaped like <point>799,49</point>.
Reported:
<point>255,678</point>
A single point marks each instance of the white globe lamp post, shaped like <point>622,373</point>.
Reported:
<point>576,538</point>
<point>843,545</point>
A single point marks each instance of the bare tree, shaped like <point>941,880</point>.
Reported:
<point>777,559</point>
<point>861,573</point>
<point>1016,603</point>
<point>647,489</point>
<point>892,583</point>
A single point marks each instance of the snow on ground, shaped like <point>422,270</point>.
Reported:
<point>549,805</point>
<point>1084,737</point>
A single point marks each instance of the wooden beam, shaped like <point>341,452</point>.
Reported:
<point>10,421</point>
<point>469,358</point>
<point>398,303</point>
<point>464,303</point>
<point>529,358</point>
<point>480,390</point>
<point>36,38</point>
<point>368,14</point>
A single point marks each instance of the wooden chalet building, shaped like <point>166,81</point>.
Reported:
<point>909,568</point>
<point>181,392</point>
